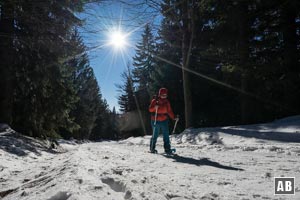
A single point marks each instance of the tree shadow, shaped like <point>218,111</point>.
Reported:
<point>200,162</point>
<point>252,133</point>
<point>17,144</point>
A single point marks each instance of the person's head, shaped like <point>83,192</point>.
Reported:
<point>163,93</point>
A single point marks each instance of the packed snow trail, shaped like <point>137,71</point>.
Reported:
<point>223,167</point>
<point>110,170</point>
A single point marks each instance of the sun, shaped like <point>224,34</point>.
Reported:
<point>118,39</point>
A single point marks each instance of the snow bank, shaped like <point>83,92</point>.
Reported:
<point>237,162</point>
<point>293,120</point>
<point>4,128</point>
<point>284,130</point>
<point>21,145</point>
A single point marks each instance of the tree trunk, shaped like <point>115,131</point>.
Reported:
<point>243,54</point>
<point>6,66</point>
<point>290,57</point>
<point>187,39</point>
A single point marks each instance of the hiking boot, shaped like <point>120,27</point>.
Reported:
<point>169,151</point>
<point>153,151</point>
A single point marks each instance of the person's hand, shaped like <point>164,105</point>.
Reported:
<point>156,106</point>
<point>155,97</point>
<point>176,118</point>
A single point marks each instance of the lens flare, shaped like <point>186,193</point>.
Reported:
<point>118,39</point>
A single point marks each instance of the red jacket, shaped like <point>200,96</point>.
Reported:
<point>164,109</point>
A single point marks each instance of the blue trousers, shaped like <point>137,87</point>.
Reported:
<point>162,126</point>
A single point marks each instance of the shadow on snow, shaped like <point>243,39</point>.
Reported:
<point>200,162</point>
<point>20,145</point>
<point>268,135</point>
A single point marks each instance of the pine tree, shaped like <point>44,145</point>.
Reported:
<point>180,17</point>
<point>39,79</point>
<point>166,74</point>
<point>89,95</point>
<point>126,99</point>
<point>143,74</point>
<point>143,60</point>
<point>106,124</point>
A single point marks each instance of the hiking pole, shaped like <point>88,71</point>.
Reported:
<point>173,150</point>
<point>154,126</point>
<point>155,118</point>
<point>177,119</point>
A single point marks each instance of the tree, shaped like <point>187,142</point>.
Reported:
<point>234,54</point>
<point>166,71</point>
<point>143,60</point>
<point>180,17</point>
<point>89,102</point>
<point>288,20</point>
<point>106,124</point>
<point>38,83</point>
<point>187,41</point>
<point>126,99</point>
<point>7,53</point>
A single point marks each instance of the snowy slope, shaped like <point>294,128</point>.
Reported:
<point>237,162</point>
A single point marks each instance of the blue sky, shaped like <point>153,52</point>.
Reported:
<point>107,62</point>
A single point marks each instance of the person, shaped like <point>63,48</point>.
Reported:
<point>161,111</point>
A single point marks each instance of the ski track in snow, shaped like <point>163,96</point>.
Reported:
<point>208,167</point>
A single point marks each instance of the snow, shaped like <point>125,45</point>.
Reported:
<point>236,162</point>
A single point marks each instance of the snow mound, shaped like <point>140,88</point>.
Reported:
<point>60,196</point>
<point>4,128</point>
<point>136,140</point>
<point>288,120</point>
<point>245,137</point>
<point>20,145</point>
<point>198,137</point>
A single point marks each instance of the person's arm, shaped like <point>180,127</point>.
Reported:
<point>170,111</point>
<point>152,105</point>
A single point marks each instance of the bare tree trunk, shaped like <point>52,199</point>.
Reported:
<point>290,56</point>
<point>187,39</point>
<point>6,63</point>
<point>243,52</point>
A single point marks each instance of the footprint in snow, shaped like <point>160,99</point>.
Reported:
<point>6,192</point>
<point>15,172</point>
<point>117,186</point>
<point>250,148</point>
<point>60,196</point>
<point>2,180</point>
<point>210,196</point>
<point>172,196</point>
<point>122,170</point>
<point>224,183</point>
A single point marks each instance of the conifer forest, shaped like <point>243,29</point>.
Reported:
<point>224,62</point>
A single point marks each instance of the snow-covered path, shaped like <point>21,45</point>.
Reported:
<point>237,168</point>
<point>110,170</point>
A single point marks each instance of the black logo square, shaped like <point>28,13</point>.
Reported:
<point>284,185</point>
